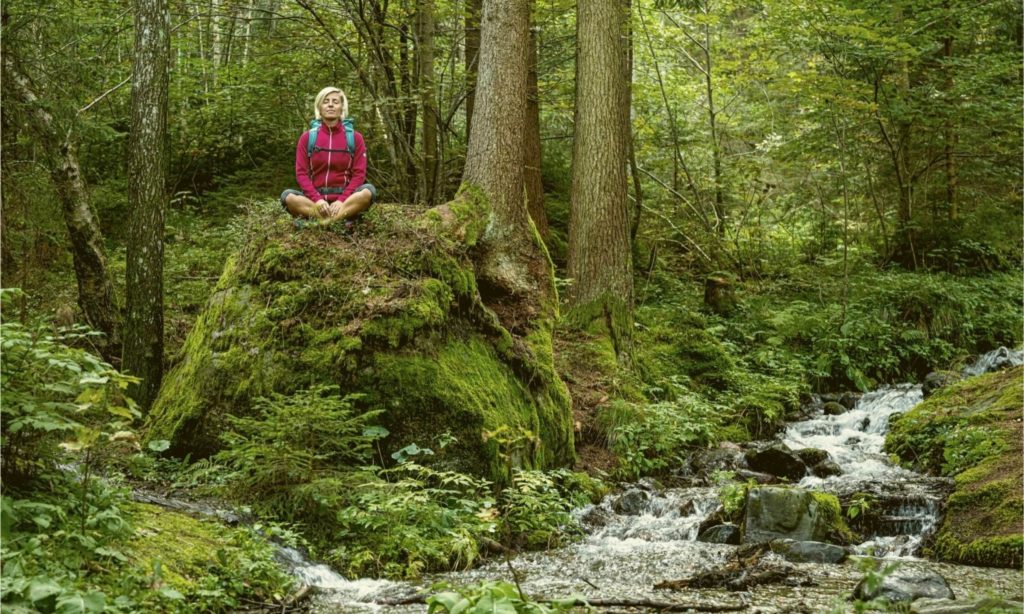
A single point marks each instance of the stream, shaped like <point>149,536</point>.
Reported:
<point>628,548</point>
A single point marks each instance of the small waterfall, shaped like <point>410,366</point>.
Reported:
<point>994,360</point>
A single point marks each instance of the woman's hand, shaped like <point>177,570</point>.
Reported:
<point>323,208</point>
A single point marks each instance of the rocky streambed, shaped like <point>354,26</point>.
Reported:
<point>678,546</point>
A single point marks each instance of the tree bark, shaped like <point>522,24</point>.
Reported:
<point>515,273</point>
<point>599,256</point>
<point>532,152</point>
<point>147,164</point>
<point>95,291</point>
<point>474,8</point>
<point>425,68</point>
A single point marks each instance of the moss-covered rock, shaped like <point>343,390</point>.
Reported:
<point>774,512</point>
<point>391,311</point>
<point>972,431</point>
<point>209,564</point>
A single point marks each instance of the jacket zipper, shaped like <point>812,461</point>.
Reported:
<point>330,146</point>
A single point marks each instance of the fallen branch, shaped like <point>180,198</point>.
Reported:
<point>664,606</point>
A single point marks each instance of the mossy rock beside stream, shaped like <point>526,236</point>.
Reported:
<point>391,311</point>
<point>972,431</point>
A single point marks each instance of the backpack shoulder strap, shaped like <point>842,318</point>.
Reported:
<point>314,131</point>
<point>350,134</point>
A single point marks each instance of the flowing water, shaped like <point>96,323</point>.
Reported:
<point>628,548</point>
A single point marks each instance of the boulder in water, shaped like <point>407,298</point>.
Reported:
<point>757,476</point>
<point>633,502</point>
<point>833,408</point>
<point>774,512</point>
<point>812,456</point>
<point>906,585</point>
<point>777,459</point>
<point>808,552</point>
<point>826,469</point>
<point>721,534</point>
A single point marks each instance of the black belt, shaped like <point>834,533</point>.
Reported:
<point>330,190</point>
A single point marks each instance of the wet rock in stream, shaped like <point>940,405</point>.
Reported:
<point>778,460</point>
<point>905,585</point>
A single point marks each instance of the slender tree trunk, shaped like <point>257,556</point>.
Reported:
<point>95,291</point>
<point>147,167</point>
<point>599,255</point>
<point>634,170</point>
<point>473,10</point>
<point>425,61</point>
<point>949,124</point>
<point>716,149</point>
<point>532,152</point>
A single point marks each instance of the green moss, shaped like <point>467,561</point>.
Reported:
<point>972,430</point>
<point>396,317</point>
<point>190,553</point>
<point>464,389</point>
<point>831,513</point>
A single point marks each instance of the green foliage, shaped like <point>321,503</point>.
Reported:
<point>653,438</point>
<point>492,597</point>
<point>897,326</point>
<point>294,441</point>
<point>69,532</point>
<point>875,571</point>
<point>57,399</point>
<point>535,512</point>
<point>731,493</point>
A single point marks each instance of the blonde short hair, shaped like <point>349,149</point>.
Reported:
<point>330,89</point>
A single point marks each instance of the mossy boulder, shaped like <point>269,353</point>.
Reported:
<point>779,512</point>
<point>390,311</point>
<point>972,432</point>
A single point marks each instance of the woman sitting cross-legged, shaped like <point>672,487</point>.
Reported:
<point>332,170</point>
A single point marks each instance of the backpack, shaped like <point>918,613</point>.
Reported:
<point>350,137</point>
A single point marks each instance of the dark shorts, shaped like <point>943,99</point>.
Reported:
<point>365,186</point>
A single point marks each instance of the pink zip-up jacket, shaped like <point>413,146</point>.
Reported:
<point>335,169</point>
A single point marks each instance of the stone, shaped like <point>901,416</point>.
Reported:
<point>777,459</point>
<point>826,469</point>
<point>774,512</point>
<point>721,534</point>
<point>906,585</point>
<point>833,408</point>
<point>935,380</point>
<point>812,456</point>
<point>849,399</point>
<point>723,458</point>
<point>633,502</point>
<point>808,551</point>
<point>757,476</point>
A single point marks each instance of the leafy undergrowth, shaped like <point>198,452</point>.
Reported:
<point>72,539</point>
<point>972,432</point>
<point>308,459</point>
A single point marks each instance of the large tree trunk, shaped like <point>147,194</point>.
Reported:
<point>599,255</point>
<point>95,291</point>
<point>425,68</point>
<point>147,163</point>
<point>516,278</point>
<point>473,10</point>
<point>514,275</point>
<point>532,153</point>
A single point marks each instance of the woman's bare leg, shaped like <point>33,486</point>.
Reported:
<point>300,206</point>
<point>353,206</point>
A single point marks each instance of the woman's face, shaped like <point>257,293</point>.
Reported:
<point>330,107</point>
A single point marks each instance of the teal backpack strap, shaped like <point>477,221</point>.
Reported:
<point>350,134</point>
<point>314,131</point>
